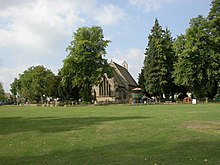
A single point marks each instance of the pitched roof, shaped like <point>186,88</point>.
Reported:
<point>125,75</point>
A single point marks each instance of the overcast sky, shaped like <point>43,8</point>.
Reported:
<point>37,32</point>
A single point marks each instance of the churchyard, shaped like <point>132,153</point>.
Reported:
<point>116,134</point>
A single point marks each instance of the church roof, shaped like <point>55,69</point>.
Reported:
<point>124,73</point>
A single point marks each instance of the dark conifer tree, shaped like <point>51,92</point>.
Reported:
<point>158,63</point>
<point>152,63</point>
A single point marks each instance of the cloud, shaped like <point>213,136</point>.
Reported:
<point>148,5</point>
<point>109,15</point>
<point>33,32</point>
<point>36,24</point>
<point>9,3</point>
<point>40,24</point>
<point>135,53</point>
<point>7,75</point>
<point>38,31</point>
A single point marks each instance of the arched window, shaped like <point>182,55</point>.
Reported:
<point>104,88</point>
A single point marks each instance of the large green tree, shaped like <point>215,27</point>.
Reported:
<point>34,83</point>
<point>85,64</point>
<point>152,61</point>
<point>198,66</point>
<point>158,63</point>
<point>193,68</point>
<point>168,64</point>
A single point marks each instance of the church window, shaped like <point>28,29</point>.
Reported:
<point>104,88</point>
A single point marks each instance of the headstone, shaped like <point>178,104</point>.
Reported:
<point>193,101</point>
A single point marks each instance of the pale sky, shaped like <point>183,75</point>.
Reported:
<point>37,32</point>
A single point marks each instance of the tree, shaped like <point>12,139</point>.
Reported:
<point>158,64</point>
<point>214,25</point>
<point>2,92</point>
<point>33,83</point>
<point>151,63</point>
<point>198,66</point>
<point>193,68</point>
<point>66,92</point>
<point>179,46</point>
<point>15,86</point>
<point>85,65</point>
<point>168,63</point>
<point>141,79</point>
<point>214,29</point>
<point>141,82</point>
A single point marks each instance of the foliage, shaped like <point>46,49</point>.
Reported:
<point>169,58</point>
<point>15,85</point>
<point>198,66</point>
<point>2,92</point>
<point>141,79</point>
<point>193,66</point>
<point>217,94</point>
<point>34,83</point>
<point>85,65</point>
<point>66,91</point>
<point>151,62</point>
<point>158,64</point>
<point>214,29</point>
<point>196,55</point>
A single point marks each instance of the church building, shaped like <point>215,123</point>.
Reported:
<point>117,88</point>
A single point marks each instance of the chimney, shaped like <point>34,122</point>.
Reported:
<point>125,65</point>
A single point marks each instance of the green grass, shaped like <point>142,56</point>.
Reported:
<point>153,134</point>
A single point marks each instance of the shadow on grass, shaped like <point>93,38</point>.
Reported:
<point>154,152</point>
<point>10,125</point>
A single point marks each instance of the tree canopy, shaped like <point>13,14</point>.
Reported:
<point>85,65</point>
<point>192,61</point>
<point>193,66</point>
<point>158,63</point>
<point>152,61</point>
<point>33,83</point>
<point>198,51</point>
<point>214,31</point>
<point>67,92</point>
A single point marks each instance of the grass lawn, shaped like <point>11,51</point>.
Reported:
<point>117,134</point>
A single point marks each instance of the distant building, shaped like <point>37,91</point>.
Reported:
<point>117,88</point>
<point>8,96</point>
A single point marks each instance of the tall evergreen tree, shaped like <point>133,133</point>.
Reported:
<point>169,59</point>
<point>158,64</point>
<point>214,28</point>
<point>152,62</point>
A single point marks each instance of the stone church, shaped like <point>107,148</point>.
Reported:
<point>117,88</point>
